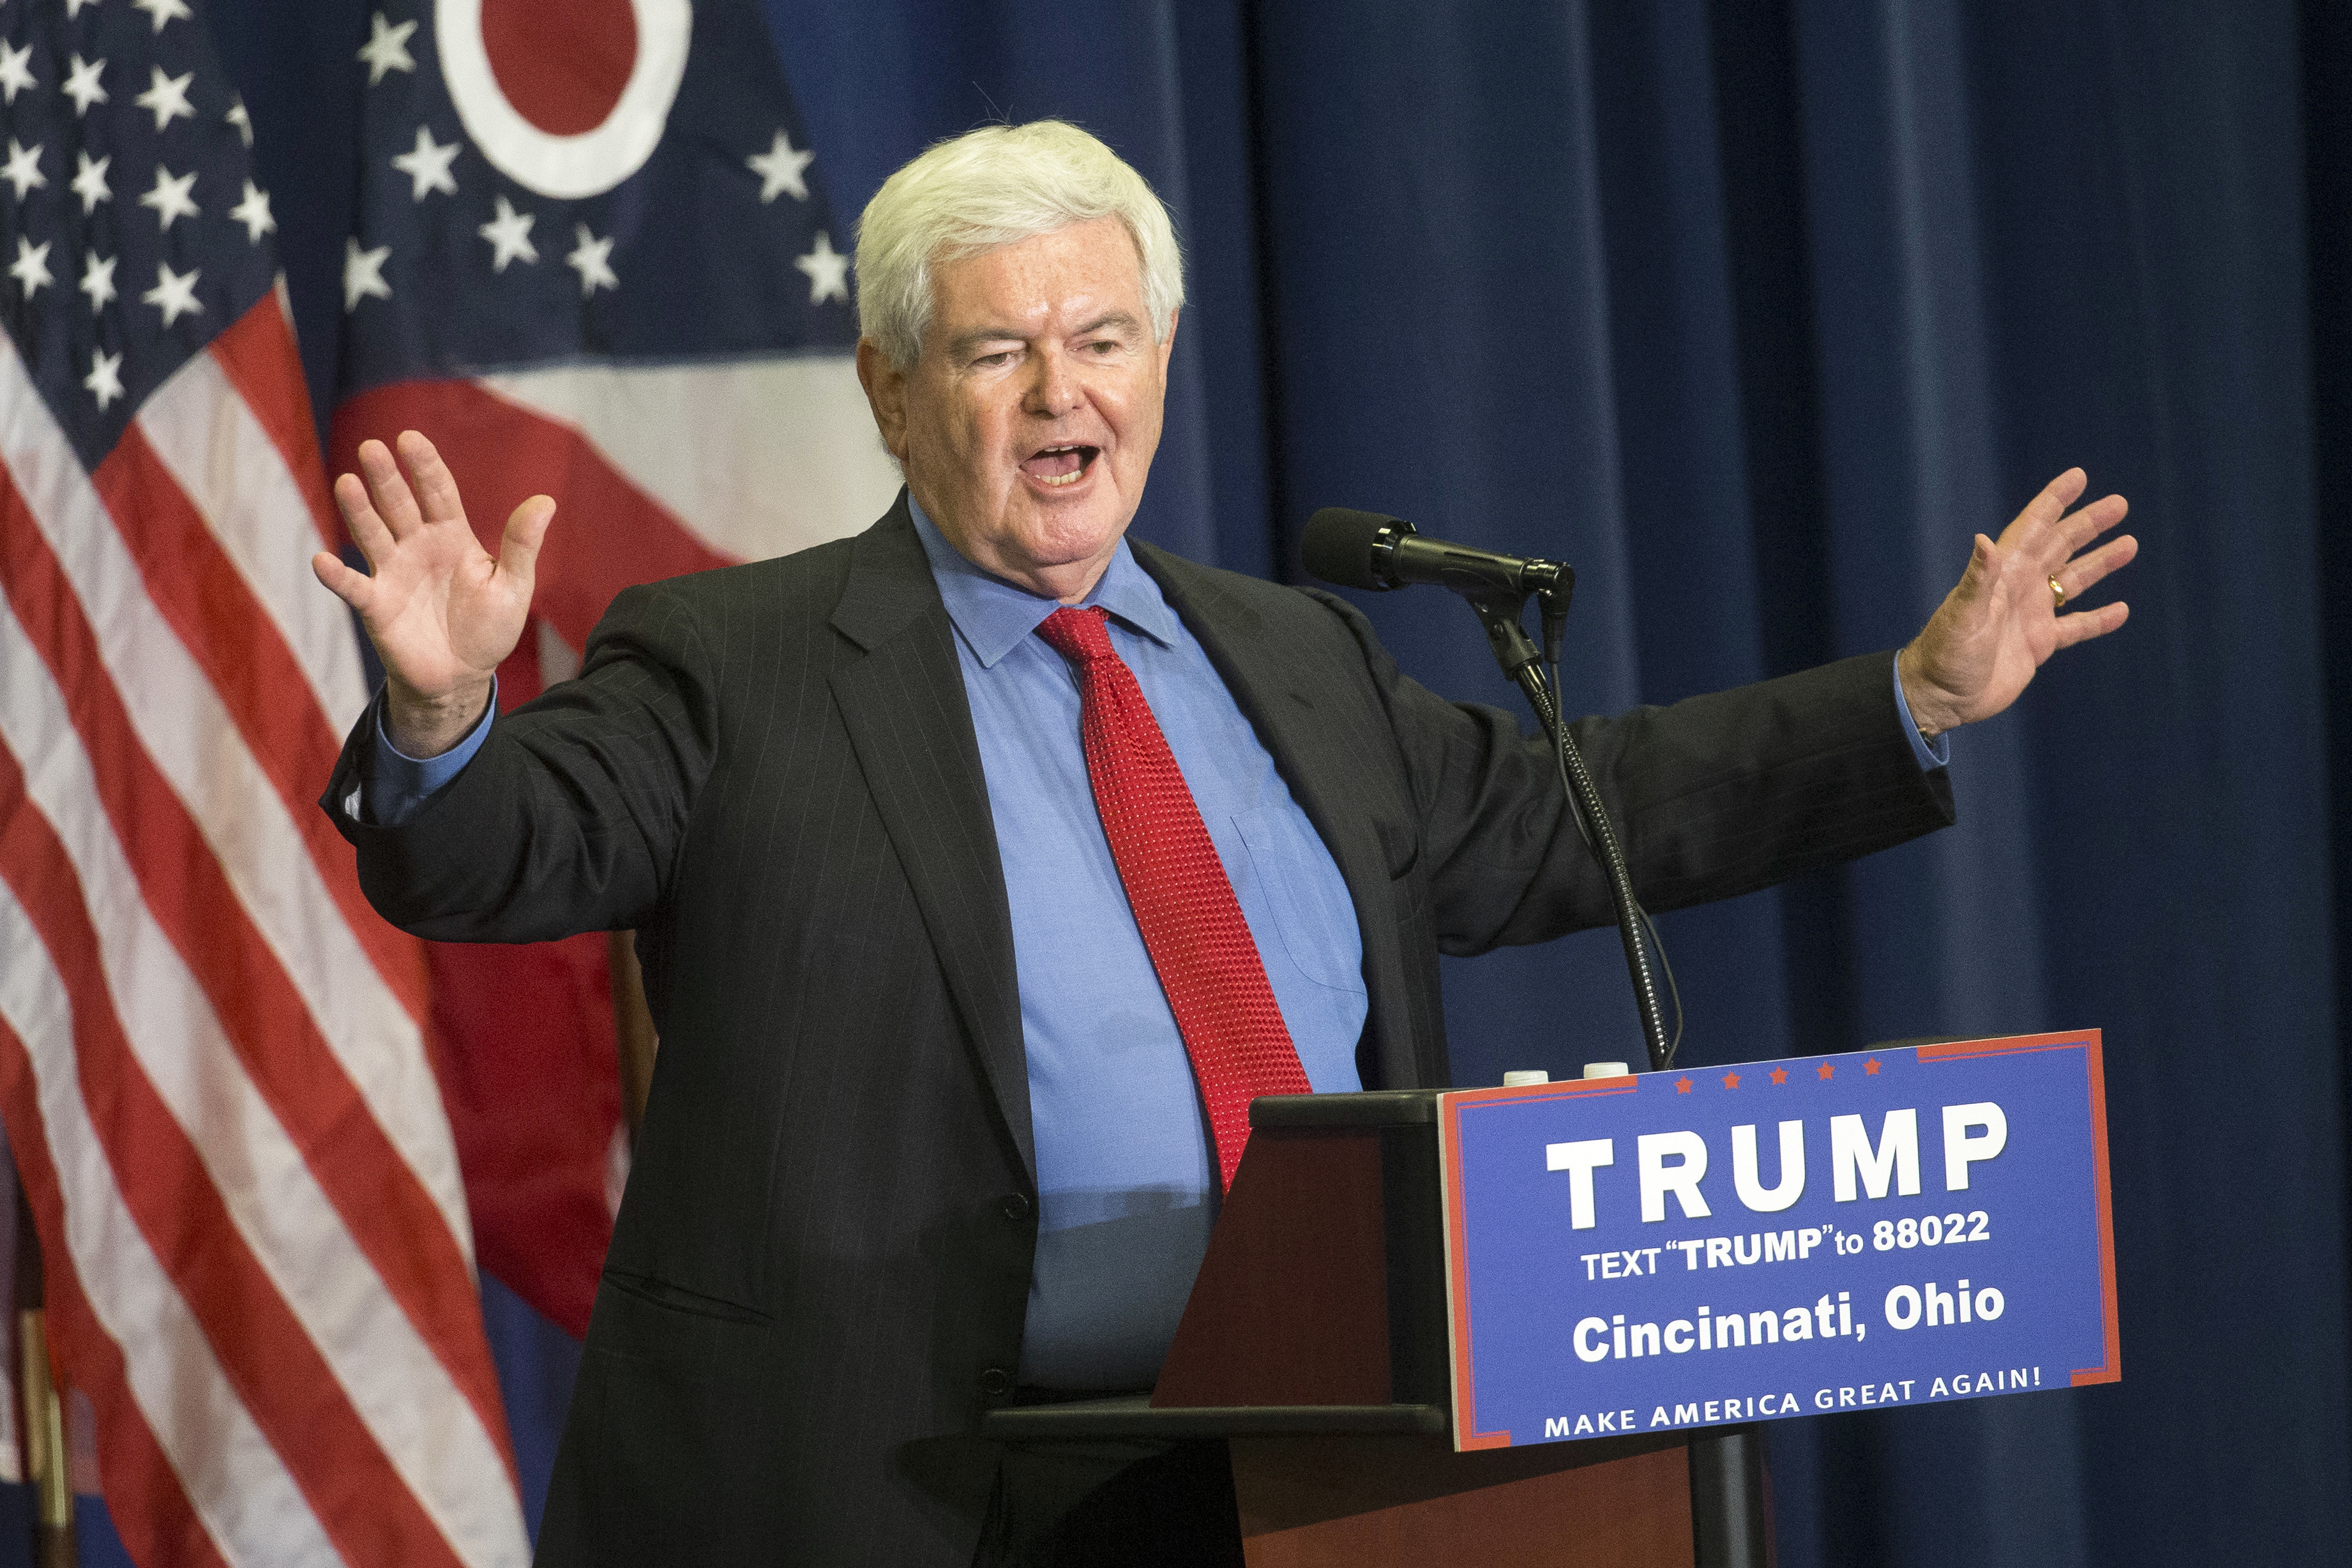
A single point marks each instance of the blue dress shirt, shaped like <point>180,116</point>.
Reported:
<point>1125,1172</point>
<point>1127,1178</point>
<point>1932,755</point>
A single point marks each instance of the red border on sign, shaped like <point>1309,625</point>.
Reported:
<point>2089,1042</point>
<point>1466,1435</point>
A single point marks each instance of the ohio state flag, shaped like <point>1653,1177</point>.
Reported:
<point>593,260</point>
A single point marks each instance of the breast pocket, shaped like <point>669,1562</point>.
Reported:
<point>1307,898</point>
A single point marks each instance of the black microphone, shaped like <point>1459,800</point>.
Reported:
<point>1365,550</point>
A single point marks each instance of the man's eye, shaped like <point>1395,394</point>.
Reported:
<point>1001,357</point>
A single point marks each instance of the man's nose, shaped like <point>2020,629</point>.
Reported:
<point>1053,387</point>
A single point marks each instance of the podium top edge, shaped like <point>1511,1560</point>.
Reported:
<point>1375,1108</point>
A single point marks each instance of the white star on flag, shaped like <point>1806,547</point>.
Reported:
<point>829,270</point>
<point>170,197</point>
<point>590,258</point>
<point>23,169</point>
<point>163,11</point>
<point>73,7</point>
<point>31,266</point>
<point>96,281</point>
<point>90,182</point>
<point>510,236</point>
<point>779,169</point>
<point>104,381</point>
<point>173,295</point>
<point>167,97</point>
<point>237,116</point>
<point>254,213</point>
<point>363,274</point>
<point>387,49</point>
<point>81,84</point>
<point>427,165</point>
<point>15,70</point>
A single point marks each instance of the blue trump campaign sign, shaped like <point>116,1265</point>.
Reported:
<point>1680,1250</point>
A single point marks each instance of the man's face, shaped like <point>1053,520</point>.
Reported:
<point>1027,426</point>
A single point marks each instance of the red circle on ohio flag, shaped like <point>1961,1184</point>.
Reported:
<point>561,63</point>
<point>566,98</point>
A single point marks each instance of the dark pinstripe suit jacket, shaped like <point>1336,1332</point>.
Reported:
<point>770,771</point>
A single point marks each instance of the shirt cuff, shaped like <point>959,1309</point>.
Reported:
<point>403,784</point>
<point>1932,755</point>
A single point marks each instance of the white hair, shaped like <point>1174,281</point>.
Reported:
<point>994,186</point>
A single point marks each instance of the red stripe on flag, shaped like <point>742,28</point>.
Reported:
<point>281,1378</point>
<point>608,533</point>
<point>382,1202</point>
<point>199,592</point>
<point>534,1098</point>
<point>259,357</point>
<point>146,1501</point>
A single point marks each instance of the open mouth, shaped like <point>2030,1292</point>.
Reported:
<point>1058,466</point>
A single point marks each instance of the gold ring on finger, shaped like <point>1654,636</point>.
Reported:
<point>2056,592</point>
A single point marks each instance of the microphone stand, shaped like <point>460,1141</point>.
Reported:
<point>1501,612</point>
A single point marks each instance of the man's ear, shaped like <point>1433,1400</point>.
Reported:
<point>885,394</point>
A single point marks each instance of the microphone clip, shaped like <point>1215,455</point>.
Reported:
<point>1503,613</point>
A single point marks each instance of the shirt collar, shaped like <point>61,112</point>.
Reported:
<point>992,615</point>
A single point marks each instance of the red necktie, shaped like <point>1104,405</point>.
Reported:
<point>1192,923</point>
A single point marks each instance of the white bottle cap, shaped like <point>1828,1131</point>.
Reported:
<point>1523,1076</point>
<point>1606,1069</point>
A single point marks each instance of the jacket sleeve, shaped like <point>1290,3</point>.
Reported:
<point>1712,797</point>
<point>569,817</point>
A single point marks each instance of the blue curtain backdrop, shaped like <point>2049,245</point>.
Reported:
<point>1754,310</point>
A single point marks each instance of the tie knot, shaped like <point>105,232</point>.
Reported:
<point>1077,635</point>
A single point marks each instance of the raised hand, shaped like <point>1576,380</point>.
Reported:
<point>1994,629</point>
<point>441,611</point>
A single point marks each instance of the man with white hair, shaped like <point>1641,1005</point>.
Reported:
<point>983,864</point>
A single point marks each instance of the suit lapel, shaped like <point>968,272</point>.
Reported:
<point>904,705</point>
<point>1278,696</point>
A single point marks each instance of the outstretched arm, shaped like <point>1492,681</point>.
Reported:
<point>440,610</point>
<point>1993,630</point>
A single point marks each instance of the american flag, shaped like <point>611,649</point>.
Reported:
<point>594,258</point>
<point>213,1064</point>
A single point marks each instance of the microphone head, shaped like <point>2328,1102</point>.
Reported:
<point>1337,545</point>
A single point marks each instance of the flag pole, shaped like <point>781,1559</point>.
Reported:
<point>48,1467</point>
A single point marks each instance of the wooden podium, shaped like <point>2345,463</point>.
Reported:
<point>1314,1344</point>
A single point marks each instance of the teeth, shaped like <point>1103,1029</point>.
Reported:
<point>1073,476</point>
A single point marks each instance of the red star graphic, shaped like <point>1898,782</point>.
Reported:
<point>1826,1071</point>
<point>1731,1080</point>
<point>1870,1067</point>
<point>1682,1084</point>
<point>1779,1075</point>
